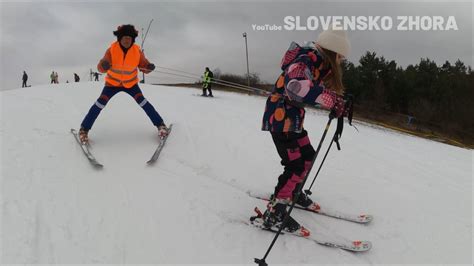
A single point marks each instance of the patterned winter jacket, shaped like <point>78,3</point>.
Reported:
<point>300,83</point>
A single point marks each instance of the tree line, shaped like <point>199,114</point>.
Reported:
<point>424,97</point>
<point>434,96</point>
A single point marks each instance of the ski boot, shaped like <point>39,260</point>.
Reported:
<point>163,131</point>
<point>83,136</point>
<point>273,219</point>
<point>305,202</point>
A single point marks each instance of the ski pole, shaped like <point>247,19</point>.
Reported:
<point>308,191</point>
<point>262,262</point>
<point>336,137</point>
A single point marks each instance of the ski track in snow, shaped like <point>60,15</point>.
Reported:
<point>190,207</point>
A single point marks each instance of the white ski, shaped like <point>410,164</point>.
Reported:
<point>356,218</point>
<point>354,246</point>
<point>86,150</point>
<point>155,155</point>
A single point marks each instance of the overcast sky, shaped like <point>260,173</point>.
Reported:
<point>40,37</point>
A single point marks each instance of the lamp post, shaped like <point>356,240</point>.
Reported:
<point>143,43</point>
<point>247,53</point>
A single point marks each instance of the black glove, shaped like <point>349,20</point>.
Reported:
<point>105,65</point>
<point>349,107</point>
<point>151,67</point>
<point>339,107</point>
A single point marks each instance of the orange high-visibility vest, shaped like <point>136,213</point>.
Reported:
<point>123,72</point>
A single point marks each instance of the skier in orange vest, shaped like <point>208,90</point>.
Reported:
<point>121,63</point>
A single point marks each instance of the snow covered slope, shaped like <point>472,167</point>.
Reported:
<point>190,206</point>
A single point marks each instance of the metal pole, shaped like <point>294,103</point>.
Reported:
<point>247,53</point>
<point>308,191</point>
<point>143,50</point>
<point>143,43</point>
<point>262,262</point>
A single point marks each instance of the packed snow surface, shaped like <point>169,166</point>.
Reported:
<point>192,205</point>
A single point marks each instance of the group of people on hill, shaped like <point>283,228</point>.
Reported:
<point>54,78</point>
<point>311,74</point>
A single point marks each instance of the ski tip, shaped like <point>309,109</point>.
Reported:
<point>359,245</point>
<point>304,232</point>
<point>365,218</point>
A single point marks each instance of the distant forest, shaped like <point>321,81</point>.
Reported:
<point>436,97</point>
<point>425,97</point>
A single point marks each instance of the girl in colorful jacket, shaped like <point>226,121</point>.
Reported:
<point>120,62</point>
<point>311,75</point>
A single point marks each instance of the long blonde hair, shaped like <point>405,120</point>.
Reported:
<point>333,81</point>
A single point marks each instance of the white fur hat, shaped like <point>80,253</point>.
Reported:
<point>335,40</point>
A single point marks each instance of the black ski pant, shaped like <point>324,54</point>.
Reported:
<point>206,86</point>
<point>296,153</point>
